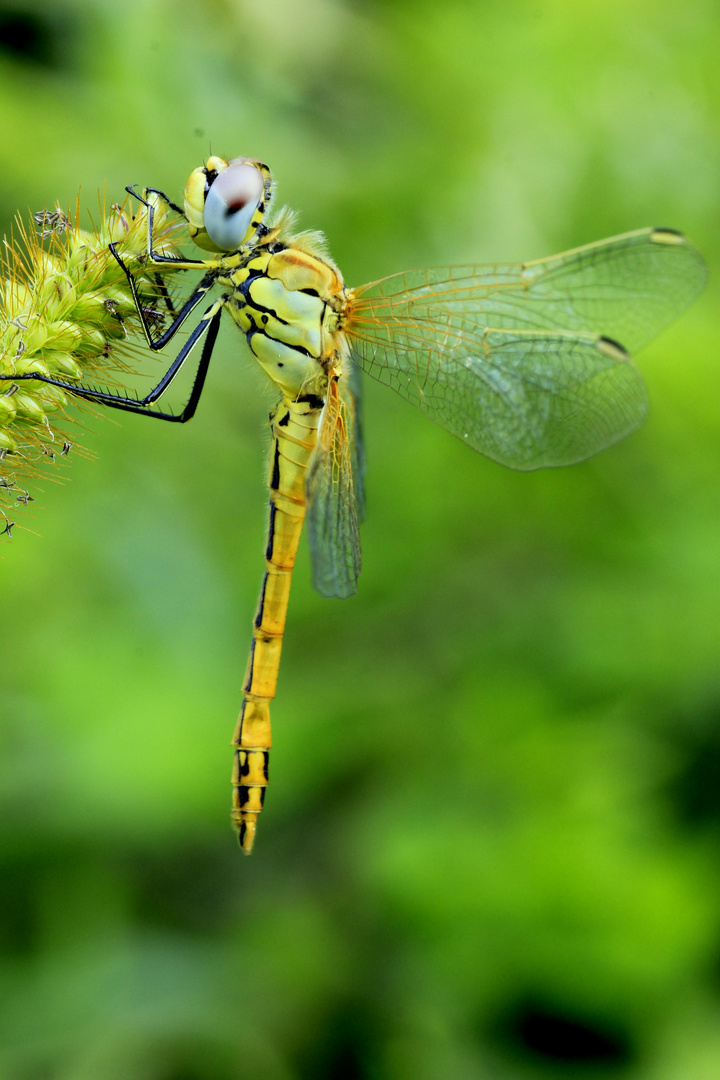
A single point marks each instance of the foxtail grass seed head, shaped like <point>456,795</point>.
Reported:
<point>66,310</point>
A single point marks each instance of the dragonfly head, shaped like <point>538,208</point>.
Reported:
<point>225,202</point>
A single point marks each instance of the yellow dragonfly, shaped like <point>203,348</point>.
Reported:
<point>523,362</point>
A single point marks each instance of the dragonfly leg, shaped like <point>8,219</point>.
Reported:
<point>165,294</point>
<point>207,328</point>
<point>188,307</point>
<point>161,195</point>
<point>151,254</point>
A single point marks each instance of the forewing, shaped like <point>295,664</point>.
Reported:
<point>332,514</point>
<point>522,362</point>
<point>627,288</point>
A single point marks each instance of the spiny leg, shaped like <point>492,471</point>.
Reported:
<point>156,256</point>
<point>207,328</point>
<point>164,293</point>
<point>159,283</point>
<point>188,307</point>
<point>161,195</point>
<point>161,260</point>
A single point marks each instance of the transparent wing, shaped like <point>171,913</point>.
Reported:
<point>522,361</point>
<point>335,495</point>
<point>353,397</point>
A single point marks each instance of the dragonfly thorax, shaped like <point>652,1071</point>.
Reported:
<point>285,295</point>
<point>286,301</point>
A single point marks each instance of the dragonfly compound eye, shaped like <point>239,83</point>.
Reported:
<point>231,202</point>
<point>196,189</point>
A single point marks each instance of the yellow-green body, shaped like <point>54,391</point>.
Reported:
<point>287,303</point>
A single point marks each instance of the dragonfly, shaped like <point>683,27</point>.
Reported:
<point>528,363</point>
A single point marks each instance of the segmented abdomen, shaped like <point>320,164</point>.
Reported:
<point>294,428</point>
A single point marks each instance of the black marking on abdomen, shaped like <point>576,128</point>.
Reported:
<point>261,603</point>
<point>275,478</point>
<point>243,794</point>
<point>285,420</point>
<point>271,533</point>
<point>251,664</point>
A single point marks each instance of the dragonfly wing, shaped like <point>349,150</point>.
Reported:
<point>522,361</point>
<point>627,288</point>
<point>352,393</point>
<point>332,496</point>
<point>526,399</point>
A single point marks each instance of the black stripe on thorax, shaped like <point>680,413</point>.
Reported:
<point>312,400</point>
<point>244,290</point>
<point>250,334</point>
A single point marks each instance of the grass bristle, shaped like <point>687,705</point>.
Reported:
<point>66,310</point>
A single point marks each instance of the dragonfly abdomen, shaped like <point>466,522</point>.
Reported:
<point>295,428</point>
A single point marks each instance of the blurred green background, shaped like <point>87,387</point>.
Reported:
<point>491,845</point>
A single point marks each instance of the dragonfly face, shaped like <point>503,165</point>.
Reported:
<point>225,202</point>
<point>288,302</point>
<point>526,363</point>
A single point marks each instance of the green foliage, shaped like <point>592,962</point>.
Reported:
<point>490,842</point>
